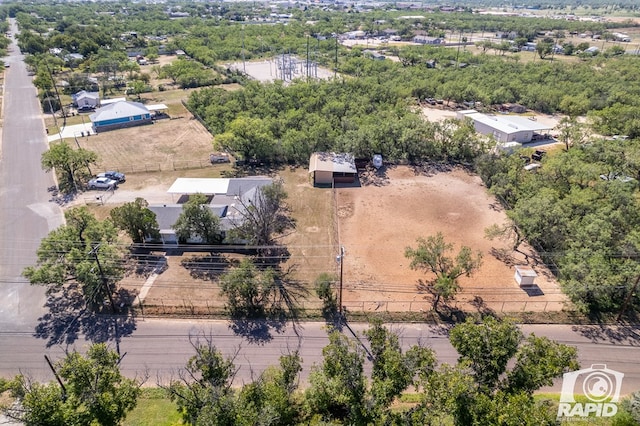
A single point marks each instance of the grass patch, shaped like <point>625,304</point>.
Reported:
<point>153,409</point>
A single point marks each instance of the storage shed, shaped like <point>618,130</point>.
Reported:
<point>524,276</point>
<point>328,168</point>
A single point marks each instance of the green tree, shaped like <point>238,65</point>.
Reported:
<point>337,389</point>
<point>394,371</point>
<point>324,291</point>
<point>544,48</point>
<point>432,256</point>
<point>136,220</point>
<point>271,399</point>
<point>197,220</point>
<point>249,292</point>
<point>203,390</point>
<point>263,216</point>
<point>94,392</point>
<point>572,133</point>
<point>487,348</point>
<point>68,162</point>
<point>481,390</point>
<point>84,252</point>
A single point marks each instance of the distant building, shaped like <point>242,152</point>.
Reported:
<point>504,128</point>
<point>428,40</point>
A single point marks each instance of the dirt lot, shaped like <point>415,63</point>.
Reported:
<point>396,206</point>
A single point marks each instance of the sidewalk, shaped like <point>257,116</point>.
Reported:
<point>72,132</point>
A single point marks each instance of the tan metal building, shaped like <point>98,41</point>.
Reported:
<point>328,168</point>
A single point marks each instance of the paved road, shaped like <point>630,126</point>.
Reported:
<point>158,348</point>
<point>26,215</point>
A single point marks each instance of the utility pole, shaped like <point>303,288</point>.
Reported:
<point>307,58</point>
<point>95,250</point>
<point>628,299</point>
<point>55,373</point>
<point>55,89</point>
<point>335,72</point>
<point>340,258</point>
<point>244,65</point>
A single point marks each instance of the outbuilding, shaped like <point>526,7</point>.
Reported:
<point>119,115</point>
<point>504,128</point>
<point>328,168</point>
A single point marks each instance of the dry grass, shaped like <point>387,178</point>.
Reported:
<point>166,144</point>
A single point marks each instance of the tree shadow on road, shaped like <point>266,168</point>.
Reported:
<point>258,330</point>
<point>623,335</point>
<point>69,319</point>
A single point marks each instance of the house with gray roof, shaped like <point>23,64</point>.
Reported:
<point>86,99</point>
<point>227,199</point>
<point>119,115</point>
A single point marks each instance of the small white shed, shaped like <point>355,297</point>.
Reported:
<point>525,276</point>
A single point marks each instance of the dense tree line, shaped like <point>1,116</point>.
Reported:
<point>288,123</point>
<point>581,208</point>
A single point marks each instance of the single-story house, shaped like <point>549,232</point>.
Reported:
<point>427,40</point>
<point>86,99</point>
<point>504,128</point>
<point>227,198</point>
<point>119,115</point>
<point>328,168</point>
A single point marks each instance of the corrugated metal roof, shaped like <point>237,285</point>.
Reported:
<point>507,124</point>
<point>332,162</point>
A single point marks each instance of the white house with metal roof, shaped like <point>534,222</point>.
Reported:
<point>119,115</point>
<point>504,128</point>
<point>227,199</point>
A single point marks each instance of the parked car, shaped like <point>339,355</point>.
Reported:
<point>117,176</point>
<point>102,183</point>
<point>219,158</point>
<point>537,156</point>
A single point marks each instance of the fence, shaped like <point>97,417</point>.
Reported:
<point>161,167</point>
<point>501,306</point>
<point>197,307</point>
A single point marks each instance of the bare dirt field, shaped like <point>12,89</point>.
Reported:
<point>397,205</point>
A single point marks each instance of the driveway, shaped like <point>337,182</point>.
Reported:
<point>73,131</point>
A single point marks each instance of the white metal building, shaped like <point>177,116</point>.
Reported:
<point>504,128</point>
